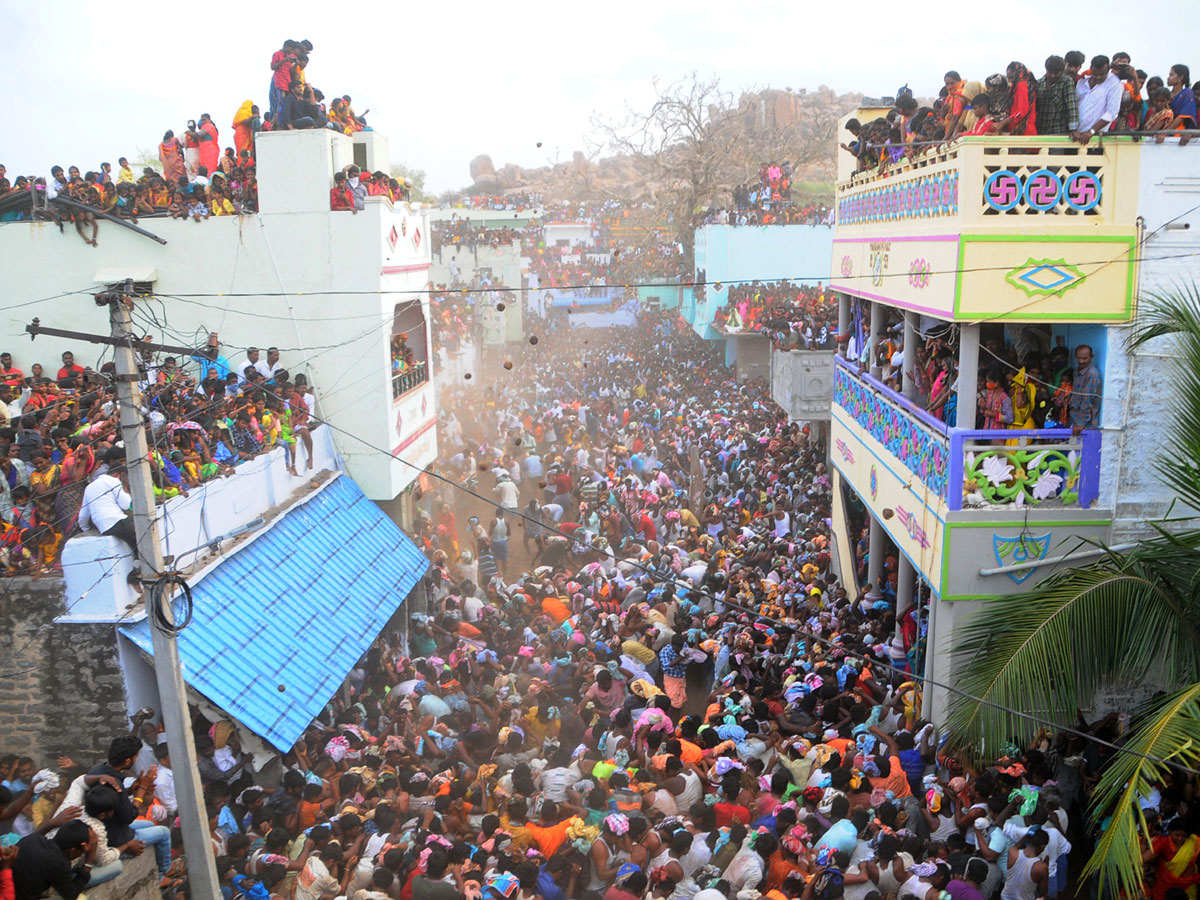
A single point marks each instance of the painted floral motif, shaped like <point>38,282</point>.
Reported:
<point>920,273</point>
<point>847,266</point>
<point>923,452</point>
<point>996,469</point>
<point>1023,475</point>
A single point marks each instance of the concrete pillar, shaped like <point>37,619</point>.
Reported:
<point>873,339</point>
<point>908,384</point>
<point>843,314</point>
<point>933,699</point>
<point>968,374</point>
<point>875,559</point>
<point>905,577</point>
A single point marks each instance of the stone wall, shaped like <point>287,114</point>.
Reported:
<point>61,690</point>
<point>138,881</point>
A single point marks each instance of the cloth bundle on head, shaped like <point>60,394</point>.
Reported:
<point>796,840</point>
<point>45,780</point>
<point>582,836</point>
<point>221,733</point>
<point>627,871</point>
<point>337,748</point>
<point>1028,796</point>
<point>505,885</point>
<point>726,763</point>
<point>617,823</point>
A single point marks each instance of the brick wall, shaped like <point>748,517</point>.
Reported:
<point>61,690</point>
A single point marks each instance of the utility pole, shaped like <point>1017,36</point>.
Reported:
<point>202,869</point>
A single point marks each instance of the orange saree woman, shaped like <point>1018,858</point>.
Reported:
<point>243,134</point>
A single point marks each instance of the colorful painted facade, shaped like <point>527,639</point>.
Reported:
<point>1018,236</point>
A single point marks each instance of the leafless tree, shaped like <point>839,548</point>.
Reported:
<point>685,144</point>
<point>696,142</point>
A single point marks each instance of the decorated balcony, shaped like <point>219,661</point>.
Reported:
<point>955,501</point>
<point>1018,229</point>
<point>953,469</point>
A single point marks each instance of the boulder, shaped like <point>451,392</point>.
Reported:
<point>486,184</point>
<point>510,176</point>
<point>482,165</point>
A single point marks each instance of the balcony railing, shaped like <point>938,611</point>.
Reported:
<point>910,434</point>
<point>1018,468</point>
<point>996,180</point>
<point>414,376</point>
<point>972,469</point>
<point>988,228</point>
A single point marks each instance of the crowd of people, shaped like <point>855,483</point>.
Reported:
<point>513,201</point>
<point>795,316</point>
<point>1021,384</point>
<point>62,475</point>
<point>197,180</point>
<point>1105,96</point>
<point>459,233</point>
<point>768,201</point>
<point>663,691</point>
<point>781,214</point>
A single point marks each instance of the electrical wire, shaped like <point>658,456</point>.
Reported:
<point>875,663</point>
<point>496,289</point>
<point>158,597</point>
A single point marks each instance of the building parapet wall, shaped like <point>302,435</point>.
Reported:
<point>1019,229</point>
<point>95,567</point>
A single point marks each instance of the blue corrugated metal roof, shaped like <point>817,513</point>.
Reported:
<point>296,608</point>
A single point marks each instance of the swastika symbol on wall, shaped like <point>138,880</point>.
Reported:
<point>1043,189</point>
<point>1002,190</point>
<point>1082,190</point>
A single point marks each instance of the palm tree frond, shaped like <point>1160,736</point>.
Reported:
<point>1177,314</point>
<point>1046,652</point>
<point>1169,730</point>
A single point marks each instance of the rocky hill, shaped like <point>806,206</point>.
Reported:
<point>799,126</point>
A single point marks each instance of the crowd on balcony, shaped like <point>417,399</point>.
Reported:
<point>352,186</point>
<point>456,233</point>
<point>795,316</point>
<point>513,201</point>
<point>1020,385</point>
<point>62,463</point>
<point>594,271</point>
<point>1108,96</point>
<point>771,214</point>
<point>408,372</point>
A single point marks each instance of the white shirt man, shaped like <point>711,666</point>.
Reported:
<point>104,503</point>
<point>164,789</point>
<point>251,360</point>
<point>533,467</point>
<point>269,366</point>
<point>508,494</point>
<point>1098,103</point>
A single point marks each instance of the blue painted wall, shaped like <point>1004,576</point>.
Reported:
<point>726,253</point>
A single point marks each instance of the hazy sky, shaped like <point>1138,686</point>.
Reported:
<point>88,82</point>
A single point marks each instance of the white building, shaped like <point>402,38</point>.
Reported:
<point>293,576</point>
<point>330,289</point>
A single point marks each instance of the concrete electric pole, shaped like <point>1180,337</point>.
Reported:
<point>172,694</point>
